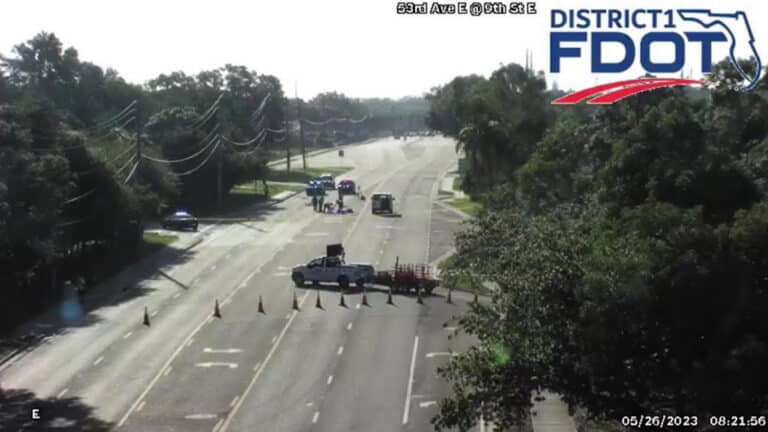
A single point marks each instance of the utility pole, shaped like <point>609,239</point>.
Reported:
<point>287,148</point>
<point>301,130</point>
<point>219,166</point>
<point>139,126</point>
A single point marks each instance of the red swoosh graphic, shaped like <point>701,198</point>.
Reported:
<point>622,89</point>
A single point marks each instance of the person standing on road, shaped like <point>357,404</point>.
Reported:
<point>322,204</point>
<point>314,202</point>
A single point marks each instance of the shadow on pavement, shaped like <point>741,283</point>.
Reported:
<point>60,415</point>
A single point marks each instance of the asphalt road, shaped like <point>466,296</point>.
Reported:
<point>354,368</point>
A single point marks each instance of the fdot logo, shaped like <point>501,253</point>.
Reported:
<point>573,34</point>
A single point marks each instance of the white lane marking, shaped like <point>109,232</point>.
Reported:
<point>358,306</point>
<point>410,380</point>
<point>218,425</point>
<point>349,326</point>
<point>281,273</point>
<point>427,404</point>
<point>381,251</point>
<point>417,397</point>
<point>167,370</point>
<point>98,360</point>
<point>242,285</point>
<point>61,393</point>
<point>435,354</point>
<point>271,352</point>
<point>274,338</point>
<point>309,404</point>
<point>226,302</point>
<point>288,315</point>
<point>213,267</point>
<point>211,364</point>
<point>316,234</point>
<point>314,417</point>
<point>450,328</point>
<point>153,314</point>
<point>209,320</point>
<point>141,405</point>
<point>178,350</point>
<point>127,335</point>
<point>255,368</point>
<point>177,295</point>
<point>341,350</point>
<point>234,401</point>
<point>223,351</point>
<point>283,268</point>
<point>200,416</point>
<point>330,379</point>
<point>195,281</point>
<point>189,343</point>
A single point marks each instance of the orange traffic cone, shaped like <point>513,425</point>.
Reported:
<point>295,303</point>
<point>146,317</point>
<point>317,302</point>
<point>261,306</point>
<point>216,310</point>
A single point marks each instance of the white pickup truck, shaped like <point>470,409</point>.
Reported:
<point>332,269</point>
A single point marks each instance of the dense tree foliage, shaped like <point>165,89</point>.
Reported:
<point>629,253</point>
<point>72,195</point>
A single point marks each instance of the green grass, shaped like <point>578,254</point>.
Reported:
<point>154,242</point>
<point>466,205</point>
<point>299,175</point>
<point>258,188</point>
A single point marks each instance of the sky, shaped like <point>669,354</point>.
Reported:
<point>361,48</point>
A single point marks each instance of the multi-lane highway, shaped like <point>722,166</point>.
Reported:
<point>354,368</point>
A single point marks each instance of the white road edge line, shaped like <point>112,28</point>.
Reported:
<point>61,393</point>
<point>218,425</point>
<point>234,401</point>
<point>349,326</point>
<point>315,417</point>
<point>330,379</point>
<point>127,335</point>
<point>98,360</point>
<point>341,350</point>
<point>141,405</point>
<point>167,370</point>
<point>410,380</point>
<point>271,352</point>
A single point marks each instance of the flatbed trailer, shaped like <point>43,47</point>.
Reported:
<point>407,277</point>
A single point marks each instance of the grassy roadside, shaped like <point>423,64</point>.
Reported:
<point>466,205</point>
<point>460,282</point>
<point>304,175</point>
<point>155,241</point>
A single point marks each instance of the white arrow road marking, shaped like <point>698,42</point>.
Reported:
<point>427,404</point>
<point>223,351</point>
<point>435,354</point>
<point>210,364</point>
<point>201,416</point>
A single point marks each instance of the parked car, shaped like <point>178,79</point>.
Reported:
<point>382,202</point>
<point>327,181</point>
<point>347,187</point>
<point>182,219</point>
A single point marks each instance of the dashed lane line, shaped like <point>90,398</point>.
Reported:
<point>260,370</point>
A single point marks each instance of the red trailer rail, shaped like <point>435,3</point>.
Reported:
<point>407,277</point>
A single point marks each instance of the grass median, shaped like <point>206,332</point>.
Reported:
<point>303,175</point>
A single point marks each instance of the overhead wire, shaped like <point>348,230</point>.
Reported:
<point>125,165</point>
<point>133,170</point>
<point>79,197</point>
<point>258,136</point>
<point>261,106</point>
<point>114,119</point>
<point>184,159</point>
<point>213,151</point>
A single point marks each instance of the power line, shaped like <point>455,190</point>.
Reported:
<point>115,118</point>
<point>256,147</point>
<point>79,197</point>
<point>263,103</point>
<point>190,157</point>
<point>203,163</point>
<point>125,165</point>
<point>133,170</point>
<point>258,136</point>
